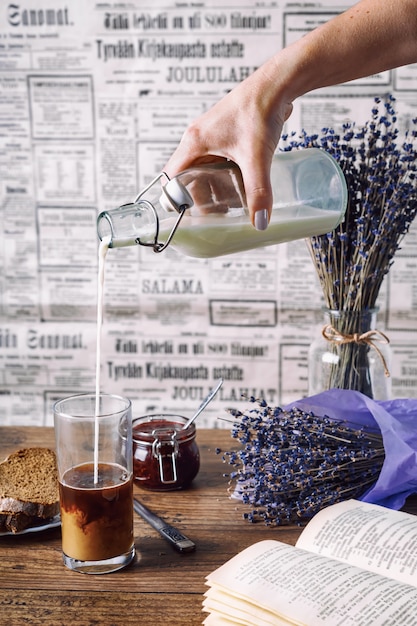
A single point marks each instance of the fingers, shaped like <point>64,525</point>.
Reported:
<point>187,153</point>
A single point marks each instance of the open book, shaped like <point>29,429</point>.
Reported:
<point>355,564</point>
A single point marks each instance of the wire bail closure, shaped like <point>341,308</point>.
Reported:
<point>181,203</point>
<point>159,446</point>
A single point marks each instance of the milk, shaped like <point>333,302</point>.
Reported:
<point>211,235</point>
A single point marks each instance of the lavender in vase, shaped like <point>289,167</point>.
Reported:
<point>352,260</point>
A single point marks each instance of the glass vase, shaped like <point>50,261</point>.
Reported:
<point>351,354</point>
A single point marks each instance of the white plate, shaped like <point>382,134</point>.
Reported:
<point>52,522</point>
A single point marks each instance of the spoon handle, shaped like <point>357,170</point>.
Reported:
<point>205,402</point>
<point>179,541</point>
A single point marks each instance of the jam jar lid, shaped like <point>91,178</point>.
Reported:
<point>162,426</point>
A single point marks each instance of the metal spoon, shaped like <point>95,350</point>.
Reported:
<point>205,402</point>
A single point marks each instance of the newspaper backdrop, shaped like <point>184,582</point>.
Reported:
<point>94,97</point>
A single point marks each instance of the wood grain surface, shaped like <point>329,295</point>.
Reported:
<point>161,586</point>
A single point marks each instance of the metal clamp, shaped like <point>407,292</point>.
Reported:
<point>180,202</point>
<point>157,445</point>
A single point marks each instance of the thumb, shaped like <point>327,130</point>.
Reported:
<point>256,173</point>
<point>258,190</point>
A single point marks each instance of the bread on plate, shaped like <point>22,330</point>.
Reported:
<point>29,492</point>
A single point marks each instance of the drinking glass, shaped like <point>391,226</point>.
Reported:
<point>94,455</point>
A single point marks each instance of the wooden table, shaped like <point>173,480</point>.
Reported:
<point>162,586</point>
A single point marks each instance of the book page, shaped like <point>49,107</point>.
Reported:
<point>223,615</point>
<point>225,606</point>
<point>307,588</point>
<point>218,620</point>
<point>213,620</point>
<point>366,535</point>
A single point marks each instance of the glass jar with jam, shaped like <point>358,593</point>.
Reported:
<point>165,454</point>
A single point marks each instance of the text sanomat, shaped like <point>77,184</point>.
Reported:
<point>18,16</point>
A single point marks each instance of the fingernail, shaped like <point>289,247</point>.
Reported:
<point>261,219</point>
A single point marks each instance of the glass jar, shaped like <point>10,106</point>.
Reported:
<point>351,353</point>
<point>165,455</point>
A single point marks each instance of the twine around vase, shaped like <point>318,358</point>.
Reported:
<point>369,338</point>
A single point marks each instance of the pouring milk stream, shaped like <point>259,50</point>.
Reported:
<point>102,252</point>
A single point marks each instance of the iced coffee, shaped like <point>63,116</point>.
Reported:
<point>96,518</point>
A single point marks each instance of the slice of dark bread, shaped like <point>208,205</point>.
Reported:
<point>28,488</point>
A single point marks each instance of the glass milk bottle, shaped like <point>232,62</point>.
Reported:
<point>202,211</point>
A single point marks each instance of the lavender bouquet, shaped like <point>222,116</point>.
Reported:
<point>293,461</point>
<point>352,260</point>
